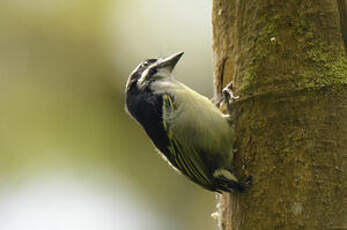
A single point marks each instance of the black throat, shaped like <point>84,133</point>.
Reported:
<point>147,108</point>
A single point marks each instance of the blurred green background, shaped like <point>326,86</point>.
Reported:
<point>70,156</point>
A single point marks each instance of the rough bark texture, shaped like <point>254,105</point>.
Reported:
<point>288,63</point>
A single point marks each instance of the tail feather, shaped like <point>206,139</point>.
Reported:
<point>228,185</point>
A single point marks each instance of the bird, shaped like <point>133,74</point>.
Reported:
<point>186,128</point>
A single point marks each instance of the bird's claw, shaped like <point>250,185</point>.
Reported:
<point>229,95</point>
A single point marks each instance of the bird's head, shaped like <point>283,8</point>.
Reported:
<point>152,70</point>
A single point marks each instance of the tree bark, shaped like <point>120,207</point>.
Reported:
<point>288,62</point>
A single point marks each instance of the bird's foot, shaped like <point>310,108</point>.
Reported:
<point>228,96</point>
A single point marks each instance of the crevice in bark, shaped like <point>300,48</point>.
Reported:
<point>342,5</point>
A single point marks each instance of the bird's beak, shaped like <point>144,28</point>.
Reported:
<point>171,61</point>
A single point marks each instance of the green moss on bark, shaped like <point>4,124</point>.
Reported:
<point>326,65</point>
<point>291,48</point>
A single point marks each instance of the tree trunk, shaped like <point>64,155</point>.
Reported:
<point>288,62</point>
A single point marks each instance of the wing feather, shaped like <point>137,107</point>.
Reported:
<point>187,160</point>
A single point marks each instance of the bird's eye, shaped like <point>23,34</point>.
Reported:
<point>152,72</point>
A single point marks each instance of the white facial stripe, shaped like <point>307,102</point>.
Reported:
<point>163,72</point>
<point>142,79</point>
<point>129,81</point>
<point>136,69</point>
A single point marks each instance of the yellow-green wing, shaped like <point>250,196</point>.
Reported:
<point>186,158</point>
